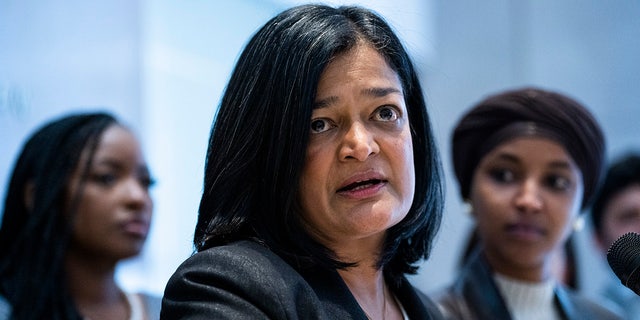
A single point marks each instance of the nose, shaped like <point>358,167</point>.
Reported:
<point>528,198</point>
<point>358,143</point>
<point>137,195</point>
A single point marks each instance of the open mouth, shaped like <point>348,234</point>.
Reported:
<point>361,185</point>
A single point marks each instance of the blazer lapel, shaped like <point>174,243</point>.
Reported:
<point>416,304</point>
<point>334,294</point>
<point>563,301</point>
<point>480,292</point>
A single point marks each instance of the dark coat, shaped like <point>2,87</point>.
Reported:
<point>474,295</point>
<point>245,280</point>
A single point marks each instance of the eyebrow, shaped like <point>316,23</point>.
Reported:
<point>558,164</point>
<point>370,92</point>
<point>109,162</point>
<point>118,165</point>
<point>379,92</point>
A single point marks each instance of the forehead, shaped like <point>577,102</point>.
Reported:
<point>118,141</point>
<point>116,135</point>
<point>115,142</point>
<point>356,63</point>
<point>627,197</point>
<point>532,150</point>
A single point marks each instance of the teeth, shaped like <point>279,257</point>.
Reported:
<point>361,185</point>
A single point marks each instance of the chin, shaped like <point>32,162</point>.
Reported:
<point>131,250</point>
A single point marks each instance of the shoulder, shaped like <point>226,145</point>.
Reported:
<point>473,295</point>
<point>247,258</point>
<point>578,306</point>
<point>240,280</point>
<point>620,299</point>
<point>150,304</point>
<point>244,252</point>
<point>451,302</point>
<point>5,308</point>
<point>244,263</point>
<point>452,299</point>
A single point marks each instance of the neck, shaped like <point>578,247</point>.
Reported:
<point>368,287</point>
<point>94,289</point>
<point>532,272</point>
<point>90,280</point>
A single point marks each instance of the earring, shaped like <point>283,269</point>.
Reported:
<point>578,224</point>
<point>467,207</point>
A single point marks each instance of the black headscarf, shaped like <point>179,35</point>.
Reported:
<point>529,112</point>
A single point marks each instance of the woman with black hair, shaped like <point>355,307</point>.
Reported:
<point>77,204</point>
<point>527,161</point>
<point>322,182</point>
<point>615,212</point>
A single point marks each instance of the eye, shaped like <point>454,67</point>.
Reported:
<point>502,175</point>
<point>628,216</point>
<point>558,182</point>
<point>105,179</point>
<point>320,125</point>
<point>147,182</point>
<point>386,113</point>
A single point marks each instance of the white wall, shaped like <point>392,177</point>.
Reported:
<point>57,56</point>
<point>188,51</point>
<point>162,65</point>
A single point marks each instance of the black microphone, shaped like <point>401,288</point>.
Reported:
<point>624,259</point>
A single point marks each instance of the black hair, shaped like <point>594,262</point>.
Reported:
<point>622,173</point>
<point>34,235</point>
<point>258,141</point>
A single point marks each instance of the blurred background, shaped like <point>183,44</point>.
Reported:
<point>161,66</point>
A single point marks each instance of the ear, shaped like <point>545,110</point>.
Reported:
<point>29,194</point>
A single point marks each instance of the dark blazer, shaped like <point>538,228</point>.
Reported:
<point>474,295</point>
<point>245,280</point>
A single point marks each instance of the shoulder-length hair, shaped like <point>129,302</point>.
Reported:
<point>36,224</point>
<point>258,141</point>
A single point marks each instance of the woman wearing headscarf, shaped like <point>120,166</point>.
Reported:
<point>527,162</point>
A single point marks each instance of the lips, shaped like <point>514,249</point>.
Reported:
<point>359,185</point>
<point>362,185</point>
<point>525,231</point>
<point>136,227</point>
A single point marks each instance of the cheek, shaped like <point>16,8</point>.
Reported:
<point>402,154</point>
<point>615,225</point>
<point>487,210</point>
<point>409,171</point>
<point>487,200</point>
<point>85,216</point>
<point>94,210</point>
<point>71,196</point>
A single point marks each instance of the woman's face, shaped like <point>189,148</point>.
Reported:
<point>525,195</point>
<point>358,178</point>
<point>621,215</point>
<point>114,209</point>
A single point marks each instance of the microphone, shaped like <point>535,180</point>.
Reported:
<point>624,259</point>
